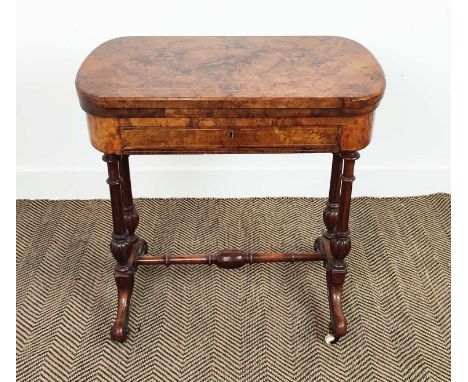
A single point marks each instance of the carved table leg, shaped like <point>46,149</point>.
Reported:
<point>121,248</point>
<point>330,213</point>
<point>131,217</point>
<point>340,245</point>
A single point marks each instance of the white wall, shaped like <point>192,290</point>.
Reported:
<point>409,154</point>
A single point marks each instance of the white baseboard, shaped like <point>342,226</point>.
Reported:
<point>255,182</point>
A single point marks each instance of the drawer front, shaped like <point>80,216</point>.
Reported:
<point>229,139</point>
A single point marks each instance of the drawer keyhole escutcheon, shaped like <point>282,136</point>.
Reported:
<point>231,134</point>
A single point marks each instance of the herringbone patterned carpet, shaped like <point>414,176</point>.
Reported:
<point>264,322</point>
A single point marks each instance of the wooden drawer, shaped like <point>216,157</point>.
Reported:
<point>140,139</point>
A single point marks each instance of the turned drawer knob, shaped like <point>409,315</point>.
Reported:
<point>231,134</point>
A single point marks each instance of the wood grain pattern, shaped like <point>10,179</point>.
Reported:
<point>242,122</point>
<point>228,139</point>
<point>258,112</point>
<point>104,134</point>
<point>189,90</point>
<point>229,72</point>
<point>212,135</point>
<point>356,135</point>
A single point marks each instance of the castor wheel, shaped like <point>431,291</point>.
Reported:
<point>330,338</point>
<point>324,264</point>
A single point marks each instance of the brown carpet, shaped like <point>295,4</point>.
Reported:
<point>264,322</point>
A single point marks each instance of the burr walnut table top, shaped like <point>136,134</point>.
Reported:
<point>229,72</point>
<point>183,95</point>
